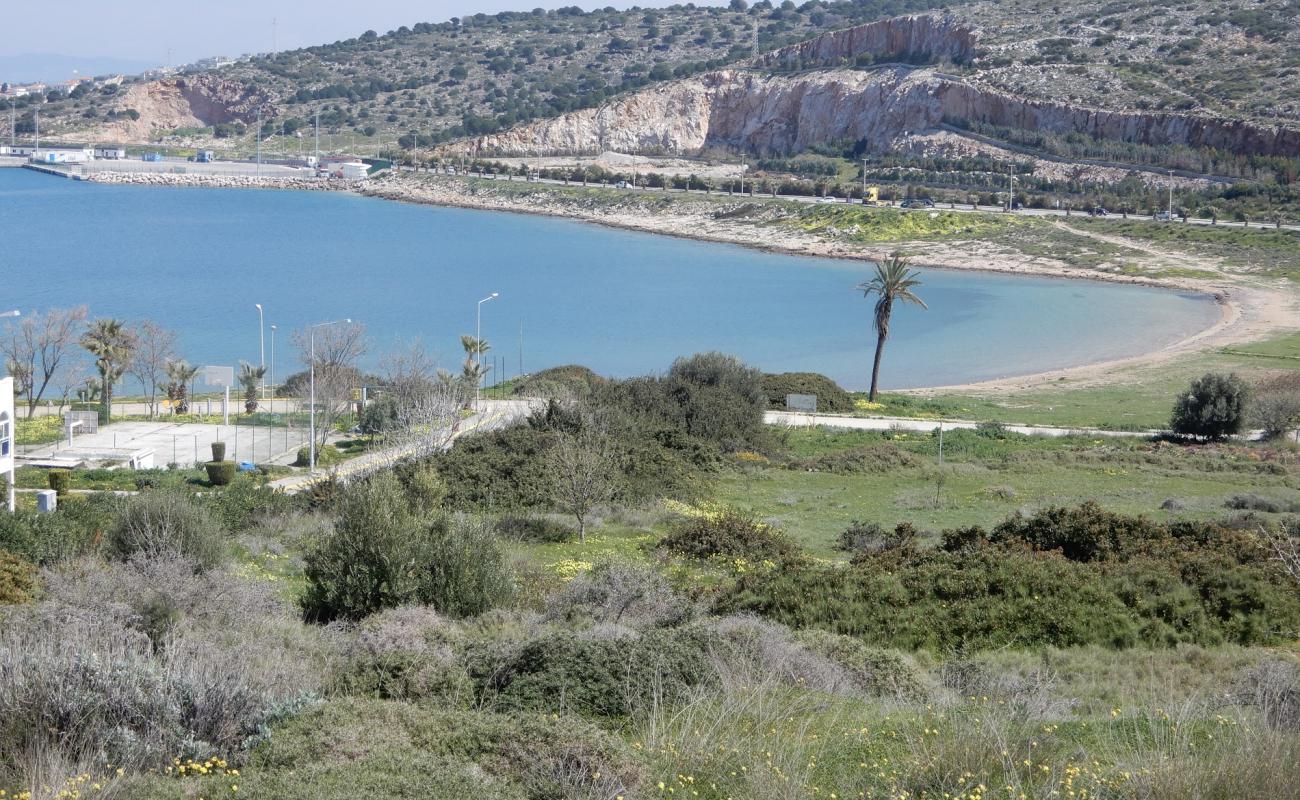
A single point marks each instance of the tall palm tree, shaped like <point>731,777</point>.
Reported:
<point>179,375</point>
<point>112,345</point>
<point>250,377</point>
<point>893,281</point>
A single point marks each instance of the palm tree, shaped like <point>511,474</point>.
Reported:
<point>112,345</point>
<point>179,375</point>
<point>893,281</point>
<point>473,370</point>
<point>250,377</point>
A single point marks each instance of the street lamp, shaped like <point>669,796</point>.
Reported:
<point>272,369</point>
<point>311,335</point>
<point>261,345</point>
<point>478,341</point>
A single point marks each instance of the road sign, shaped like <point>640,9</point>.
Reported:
<point>801,402</point>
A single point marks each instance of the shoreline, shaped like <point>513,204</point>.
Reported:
<point>1246,313</point>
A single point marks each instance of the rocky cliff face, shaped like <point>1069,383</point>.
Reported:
<point>913,38</point>
<point>775,114</point>
<point>190,102</point>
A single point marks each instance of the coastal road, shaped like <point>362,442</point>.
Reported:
<point>797,419</point>
<point>964,208</point>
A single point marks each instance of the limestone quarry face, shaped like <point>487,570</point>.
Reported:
<point>783,114</point>
<point>926,37</point>
<point>187,102</point>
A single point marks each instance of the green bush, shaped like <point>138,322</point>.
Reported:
<point>500,469</point>
<point>17,579</point>
<point>326,455</point>
<point>614,676</point>
<point>566,381</point>
<point>218,451</point>
<point>167,523</point>
<point>71,531</point>
<point>381,555</point>
<point>730,533</point>
<point>220,473</point>
<point>868,536</point>
<point>1213,407</point>
<point>830,396</point>
<point>242,503</point>
<point>1062,577</point>
<point>60,480</point>
<point>533,528</point>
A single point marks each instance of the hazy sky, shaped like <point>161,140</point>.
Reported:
<point>145,30</point>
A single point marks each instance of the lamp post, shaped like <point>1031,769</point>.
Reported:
<point>261,345</point>
<point>478,342</point>
<point>311,335</point>
<point>272,369</point>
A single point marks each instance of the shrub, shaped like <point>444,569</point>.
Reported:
<point>59,480</point>
<point>47,538</point>
<point>830,397</point>
<point>730,533</point>
<point>619,593</point>
<point>243,502</point>
<point>218,451</point>
<point>167,523</point>
<point>1085,533</point>
<point>1275,404</point>
<point>1250,501</point>
<point>875,672</point>
<point>601,676</point>
<point>404,654</point>
<point>380,555</point>
<point>1213,407</point>
<point>220,473</point>
<point>570,381</point>
<point>497,469</point>
<point>533,528</point>
<point>866,537</point>
<point>326,455</point>
<point>524,756</point>
<point>17,579</point>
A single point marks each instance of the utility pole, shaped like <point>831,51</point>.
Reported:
<point>317,165</point>
<point>1171,195</point>
<point>12,128</point>
<point>259,141</point>
<point>36,120</point>
<point>1011,181</point>
<point>864,179</point>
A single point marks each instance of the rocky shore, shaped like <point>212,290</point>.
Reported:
<point>222,181</point>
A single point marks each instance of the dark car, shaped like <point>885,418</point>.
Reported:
<point>1099,212</point>
<point>917,202</point>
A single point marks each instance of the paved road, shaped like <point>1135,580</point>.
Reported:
<point>494,414</point>
<point>965,208</point>
<point>796,419</point>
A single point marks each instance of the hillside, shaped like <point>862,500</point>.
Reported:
<point>463,76</point>
<point>995,67</point>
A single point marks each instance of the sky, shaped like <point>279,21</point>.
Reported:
<point>148,31</point>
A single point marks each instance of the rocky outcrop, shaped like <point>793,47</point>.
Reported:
<point>783,114</point>
<point>924,38</point>
<point>190,102</point>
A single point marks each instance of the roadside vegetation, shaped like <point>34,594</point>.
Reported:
<point>500,620</point>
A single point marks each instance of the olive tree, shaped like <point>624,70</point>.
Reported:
<point>1213,407</point>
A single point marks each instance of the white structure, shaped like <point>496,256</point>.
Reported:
<point>353,170</point>
<point>64,155</point>
<point>7,434</point>
<point>23,150</point>
<point>111,153</point>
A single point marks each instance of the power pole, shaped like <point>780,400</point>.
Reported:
<point>864,179</point>
<point>1011,181</point>
<point>753,48</point>
<point>259,141</point>
<point>36,120</point>
<point>1171,195</point>
<point>317,165</point>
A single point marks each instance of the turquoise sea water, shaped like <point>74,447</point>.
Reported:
<point>196,260</point>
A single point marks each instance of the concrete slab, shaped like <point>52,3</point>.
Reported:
<point>182,444</point>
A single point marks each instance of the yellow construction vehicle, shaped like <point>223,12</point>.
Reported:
<point>871,196</point>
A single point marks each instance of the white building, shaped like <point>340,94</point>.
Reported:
<point>64,155</point>
<point>111,153</point>
<point>23,150</point>
<point>354,170</point>
<point>7,434</point>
